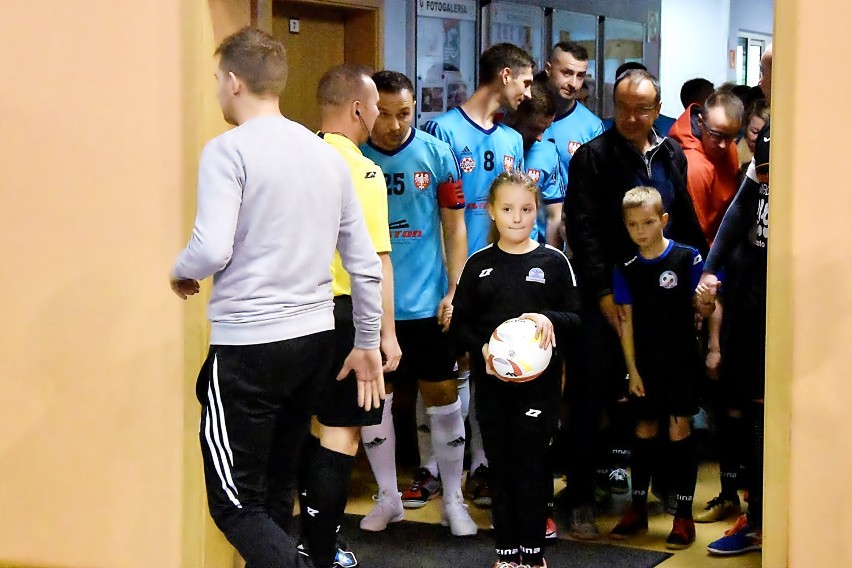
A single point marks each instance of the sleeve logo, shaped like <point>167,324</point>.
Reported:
<point>534,174</point>
<point>572,147</point>
<point>422,180</point>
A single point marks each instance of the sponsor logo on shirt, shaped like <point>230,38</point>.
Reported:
<point>536,275</point>
<point>668,279</point>
<point>485,272</point>
<point>467,164</point>
<point>370,175</point>
<point>401,230</point>
<point>534,174</point>
<point>533,413</point>
<point>572,147</point>
<point>480,205</point>
<point>508,163</point>
<point>422,180</point>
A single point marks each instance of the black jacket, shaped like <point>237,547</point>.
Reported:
<point>600,173</point>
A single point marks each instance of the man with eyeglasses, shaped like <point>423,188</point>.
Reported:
<point>600,173</point>
<point>708,137</point>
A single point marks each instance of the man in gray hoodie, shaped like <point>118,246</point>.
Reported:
<point>274,201</point>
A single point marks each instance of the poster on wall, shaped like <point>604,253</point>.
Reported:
<point>517,24</point>
<point>446,55</point>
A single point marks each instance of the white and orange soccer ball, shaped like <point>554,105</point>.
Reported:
<point>514,351</point>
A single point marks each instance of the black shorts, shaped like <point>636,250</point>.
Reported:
<point>338,401</point>
<point>742,372</point>
<point>672,392</point>
<point>535,405</point>
<point>428,354</point>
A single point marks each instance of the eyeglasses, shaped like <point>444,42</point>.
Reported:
<point>640,112</point>
<point>716,136</point>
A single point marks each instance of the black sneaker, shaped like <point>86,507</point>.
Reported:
<point>619,481</point>
<point>478,488</point>
<point>343,558</point>
<point>424,488</point>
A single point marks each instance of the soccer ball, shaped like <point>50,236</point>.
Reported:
<point>514,351</point>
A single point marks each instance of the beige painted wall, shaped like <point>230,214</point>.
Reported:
<point>106,106</point>
<point>809,424</point>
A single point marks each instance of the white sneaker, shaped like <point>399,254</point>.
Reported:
<point>455,516</point>
<point>388,509</point>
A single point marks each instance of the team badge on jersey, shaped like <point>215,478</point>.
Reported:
<point>421,180</point>
<point>572,147</point>
<point>508,163</point>
<point>534,174</point>
<point>668,279</point>
<point>536,275</point>
<point>467,164</point>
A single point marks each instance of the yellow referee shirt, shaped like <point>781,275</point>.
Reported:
<point>369,182</point>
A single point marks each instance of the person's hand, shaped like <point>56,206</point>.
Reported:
<point>635,385</point>
<point>445,312</point>
<point>610,311</point>
<point>543,329</point>
<point>707,290</point>
<point>184,287</point>
<point>391,350</point>
<point>367,364</point>
<point>714,357</point>
<point>489,368</point>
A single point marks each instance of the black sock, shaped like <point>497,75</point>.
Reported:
<point>306,464</point>
<point>326,490</point>
<point>532,556</point>
<point>755,490</point>
<point>730,433</point>
<point>509,555</point>
<point>643,458</point>
<point>684,473</point>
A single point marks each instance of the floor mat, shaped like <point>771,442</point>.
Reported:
<point>425,545</point>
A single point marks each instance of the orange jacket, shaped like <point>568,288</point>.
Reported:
<point>712,185</point>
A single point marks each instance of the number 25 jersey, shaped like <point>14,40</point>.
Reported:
<point>483,155</point>
<point>421,176</point>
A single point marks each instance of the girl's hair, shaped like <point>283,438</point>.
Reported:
<point>643,195</point>
<point>515,177</point>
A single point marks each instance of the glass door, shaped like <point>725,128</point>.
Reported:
<point>582,29</point>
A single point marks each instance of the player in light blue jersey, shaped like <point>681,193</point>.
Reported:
<point>426,214</point>
<point>541,159</point>
<point>574,124</point>
<point>483,147</point>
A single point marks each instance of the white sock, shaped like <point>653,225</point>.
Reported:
<point>448,442</point>
<point>424,438</point>
<point>464,395</point>
<point>477,452</point>
<point>380,446</point>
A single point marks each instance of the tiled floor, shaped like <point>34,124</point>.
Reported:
<point>660,525</point>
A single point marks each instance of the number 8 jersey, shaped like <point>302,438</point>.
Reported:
<point>421,175</point>
<point>483,155</point>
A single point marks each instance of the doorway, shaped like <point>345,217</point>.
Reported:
<point>327,36</point>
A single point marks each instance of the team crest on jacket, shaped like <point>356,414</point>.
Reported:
<point>421,180</point>
<point>508,163</point>
<point>467,164</point>
<point>668,279</point>
<point>534,174</point>
<point>572,147</point>
<point>536,275</point>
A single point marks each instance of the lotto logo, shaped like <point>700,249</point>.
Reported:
<point>467,164</point>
